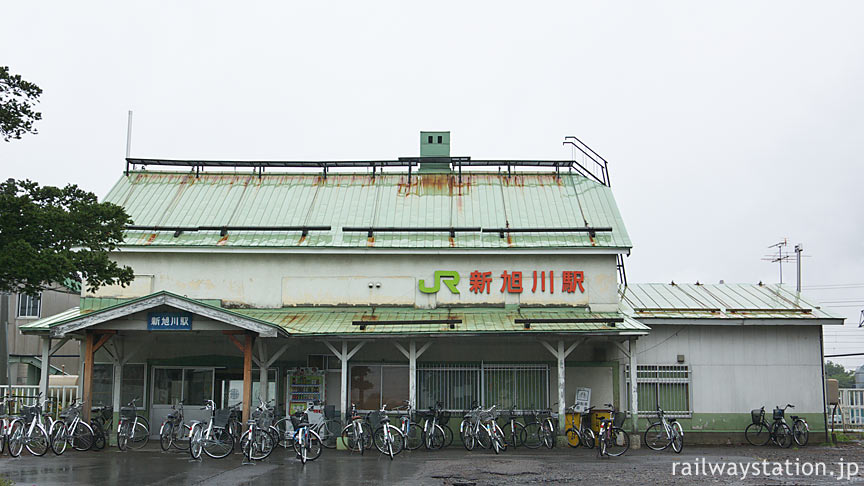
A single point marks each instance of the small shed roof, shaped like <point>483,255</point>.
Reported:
<point>719,301</point>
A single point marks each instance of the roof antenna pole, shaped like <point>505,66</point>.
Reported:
<point>798,249</point>
<point>128,141</point>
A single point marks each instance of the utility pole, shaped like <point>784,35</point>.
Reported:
<point>4,339</point>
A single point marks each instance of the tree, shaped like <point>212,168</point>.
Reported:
<point>49,234</point>
<point>17,101</point>
<point>836,371</point>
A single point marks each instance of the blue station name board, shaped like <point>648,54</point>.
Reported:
<point>169,321</point>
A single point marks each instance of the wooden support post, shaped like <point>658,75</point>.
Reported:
<point>88,376</point>
<point>634,389</point>
<point>344,356</point>
<point>247,377</point>
<point>263,367</point>
<point>561,384</point>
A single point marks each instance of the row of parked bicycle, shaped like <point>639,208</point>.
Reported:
<point>217,437</point>
<point>778,432</point>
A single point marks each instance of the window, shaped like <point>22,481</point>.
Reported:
<point>375,385</point>
<point>664,386</point>
<point>29,306</point>
<point>440,139</point>
<point>132,384</point>
<point>103,391</point>
<point>458,386</point>
<point>430,139</point>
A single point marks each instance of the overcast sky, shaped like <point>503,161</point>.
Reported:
<point>728,126</point>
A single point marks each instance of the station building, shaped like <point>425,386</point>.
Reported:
<point>429,279</point>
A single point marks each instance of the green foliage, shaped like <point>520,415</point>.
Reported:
<point>845,378</point>
<point>17,101</point>
<point>6,482</point>
<point>49,234</point>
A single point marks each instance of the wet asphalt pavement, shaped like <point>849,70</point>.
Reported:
<point>451,467</point>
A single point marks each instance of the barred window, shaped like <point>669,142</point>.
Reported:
<point>663,386</point>
<point>29,306</point>
<point>458,386</point>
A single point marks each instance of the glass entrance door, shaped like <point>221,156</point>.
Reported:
<point>191,385</point>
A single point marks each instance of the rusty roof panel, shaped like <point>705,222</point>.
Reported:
<point>487,200</point>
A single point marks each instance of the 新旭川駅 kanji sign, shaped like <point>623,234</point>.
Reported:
<point>169,321</point>
<point>511,282</point>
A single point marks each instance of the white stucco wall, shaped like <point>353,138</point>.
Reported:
<point>285,279</point>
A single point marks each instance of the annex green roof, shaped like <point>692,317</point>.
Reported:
<point>332,321</point>
<point>719,301</point>
<point>486,200</point>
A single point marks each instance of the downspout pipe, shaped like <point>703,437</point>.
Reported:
<point>824,391</point>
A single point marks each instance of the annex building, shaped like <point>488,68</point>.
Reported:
<point>431,278</point>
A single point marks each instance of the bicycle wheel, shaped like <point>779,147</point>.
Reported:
<point>533,438</point>
<point>484,438</point>
<point>469,438</point>
<point>435,438</point>
<point>601,445</point>
<point>757,434</point>
<point>311,447</point>
<point>448,434</point>
<point>656,437</point>
<point>259,446</point>
<point>166,436</point>
<point>181,437</point>
<point>783,436</point>
<point>99,436</point>
<point>587,438</point>
<point>3,438</point>
<point>574,438</point>
<point>82,437</point>
<point>498,442</point>
<point>16,438</point>
<point>58,438</point>
<point>196,433</point>
<point>516,434</point>
<point>37,442</point>
<point>285,429</point>
<point>619,442</point>
<point>220,443</point>
<point>123,433</point>
<point>139,435</point>
<point>352,437</point>
<point>547,435</point>
<point>414,437</point>
<point>329,431</point>
<point>677,438</point>
<point>799,433</point>
<point>383,438</point>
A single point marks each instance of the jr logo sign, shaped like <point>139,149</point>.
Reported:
<point>451,280</point>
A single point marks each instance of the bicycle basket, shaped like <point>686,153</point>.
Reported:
<point>374,419</point>
<point>778,413</point>
<point>756,416</point>
<point>444,416</point>
<point>221,417</point>
<point>127,413</point>
<point>298,420</point>
<point>618,419</point>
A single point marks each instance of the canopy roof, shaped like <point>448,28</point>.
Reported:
<point>230,207</point>
<point>352,321</point>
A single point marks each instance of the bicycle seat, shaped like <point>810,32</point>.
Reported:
<point>794,417</point>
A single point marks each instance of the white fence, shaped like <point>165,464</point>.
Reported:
<point>59,397</point>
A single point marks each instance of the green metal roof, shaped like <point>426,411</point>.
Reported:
<point>487,200</point>
<point>339,321</point>
<point>718,301</point>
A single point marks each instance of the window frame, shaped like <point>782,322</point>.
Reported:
<point>671,368</point>
<point>381,367</point>
<point>20,298</point>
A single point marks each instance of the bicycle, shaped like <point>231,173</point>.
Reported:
<point>260,437</point>
<point>71,430</point>
<point>800,428</point>
<point>132,429</point>
<point>584,434</point>
<point>5,421</point>
<point>28,431</point>
<point>329,431</point>
<point>514,430</point>
<point>101,421</point>
<point>174,432</point>
<point>356,434</point>
<point>664,433</point>
<point>613,440</point>
<point>213,438</point>
<point>388,439</point>
<point>480,428</point>
<point>434,436</point>
<point>307,443</point>
<point>760,432</point>
<point>410,430</point>
<point>541,430</point>
<point>468,428</point>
